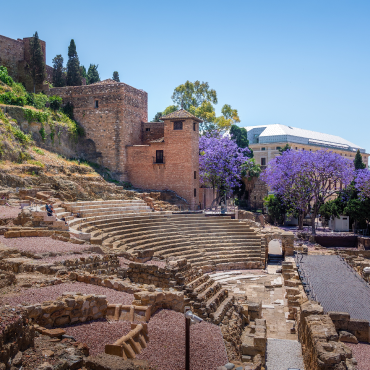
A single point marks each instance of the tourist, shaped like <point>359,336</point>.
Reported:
<point>49,209</point>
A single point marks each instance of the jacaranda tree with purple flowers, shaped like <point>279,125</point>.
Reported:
<point>221,162</point>
<point>305,180</point>
<point>362,183</point>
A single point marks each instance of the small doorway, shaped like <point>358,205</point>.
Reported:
<point>275,252</point>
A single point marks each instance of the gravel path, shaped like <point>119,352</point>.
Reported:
<point>96,334</point>
<point>48,293</point>
<point>9,212</point>
<point>41,245</point>
<point>361,352</point>
<point>336,286</point>
<point>282,354</point>
<point>166,347</point>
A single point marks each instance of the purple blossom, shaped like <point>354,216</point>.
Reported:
<point>305,180</point>
<point>220,161</point>
<point>362,183</point>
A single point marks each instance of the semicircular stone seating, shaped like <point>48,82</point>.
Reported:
<point>207,242</point>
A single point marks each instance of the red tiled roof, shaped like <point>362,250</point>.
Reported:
<point>181,114</point>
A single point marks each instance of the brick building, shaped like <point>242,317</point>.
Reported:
<point>15,56</point>
<point>150,155</point>
<point>168,157</point>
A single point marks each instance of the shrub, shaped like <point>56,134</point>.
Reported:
<point>4,77</point>
<point>42,133</point>
<point>68,110</point>
<point>37,100</point>
<point>55,102</point>
<point>12,99</point>
<point>35,116</point>
<point>21,136</point>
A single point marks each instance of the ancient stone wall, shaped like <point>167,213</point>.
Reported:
<point>11,52</point>
<point>69,309</point>
<point>111,114</point>
<point>62,142</point>
<point>16,334</point>
<point>15,55</point>
<point>180,170</point>
<point>320,341</point>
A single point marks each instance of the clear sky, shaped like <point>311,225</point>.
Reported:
<point>303,63</point>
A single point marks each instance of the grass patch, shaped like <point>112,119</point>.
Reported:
<point>35,163</point>
<point>38,150</point>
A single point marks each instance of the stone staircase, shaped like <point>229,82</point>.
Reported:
<point>207,242</point>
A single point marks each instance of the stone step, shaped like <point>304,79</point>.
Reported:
<point>198,281</point>
<point>222,309</point>
<point>209,292</point>
<point>215,301</point>
<point>202,287</point>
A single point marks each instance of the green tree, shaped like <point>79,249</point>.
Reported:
<point>240,135</point>
<point>284,148</point>
<point>348,204</point>
<point>359,164</point>
<point>199,99</point>
<point>116,76</point>
<point>73,66</point>
<point>59,78</point>
<point>157,117</point>
<point>169,109</point>
<point>83,72</point>
<point>37,64</point>
<point>275,208</point>
<point>93,74</point>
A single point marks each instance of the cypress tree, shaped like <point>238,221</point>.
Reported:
<point>92,74</point>
<point>359,164</point>
<point>59,78</point>
<point>83,72</point>
<point>73,66</point>
<point>37,65</point>
<point>116,76</point>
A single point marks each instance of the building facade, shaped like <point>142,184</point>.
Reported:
<point>150,155</point>
<point>268,139</point>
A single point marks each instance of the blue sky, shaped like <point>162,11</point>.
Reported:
<point>303,63</point>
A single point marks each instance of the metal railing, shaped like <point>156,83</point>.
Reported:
<point>158,160</point>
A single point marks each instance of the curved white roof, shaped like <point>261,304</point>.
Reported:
<point>283,133</point>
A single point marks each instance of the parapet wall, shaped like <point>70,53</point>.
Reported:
<point>68,309</point>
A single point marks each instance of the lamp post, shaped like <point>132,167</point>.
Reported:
<point>190,318</point>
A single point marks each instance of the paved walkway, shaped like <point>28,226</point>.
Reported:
<point>336,286</point>
<point>283,354</point>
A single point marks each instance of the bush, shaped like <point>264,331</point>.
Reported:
<point>12,99</point>
<point>35,116</point>
<point>4,77</point>
<point>55,102</point>
<point>21,136</point>
<point>37,100</point>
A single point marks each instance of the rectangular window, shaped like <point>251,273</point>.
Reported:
<point>96,104</point>
<point>147,129</point>
<point>263,148</point>
<point>195,175</point>
<point>177,125</point>
<point>278,147</point>
<point>194,126</point>
<point>159,156</point>
<point>263,161</point>
<point>195,192</point>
